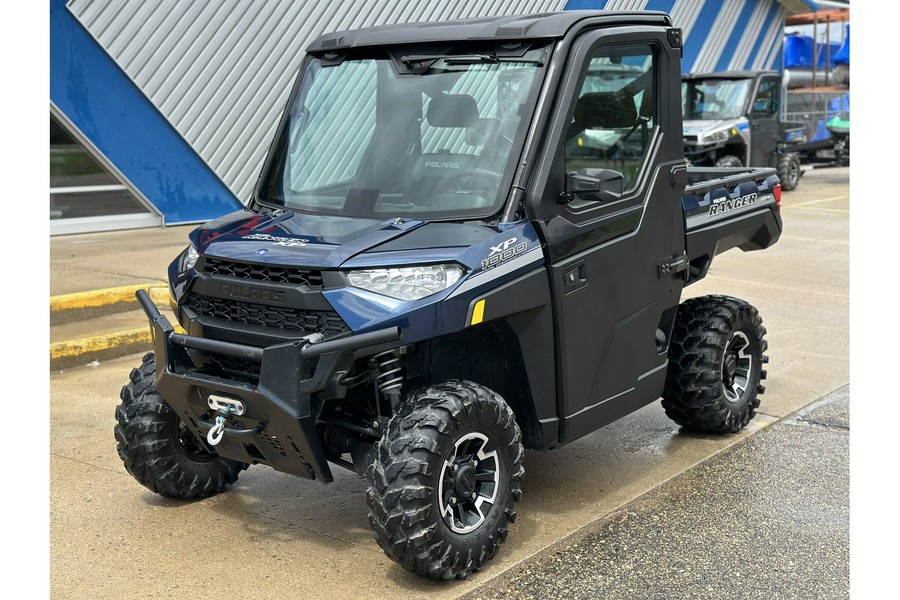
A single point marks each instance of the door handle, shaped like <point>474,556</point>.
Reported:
<point>575,278</point>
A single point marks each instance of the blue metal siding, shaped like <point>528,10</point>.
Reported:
<point>718,34</point>
<point>664,5</point>
<point>777,60</point>
<point>737,34</point>
<point>694,42</point>
<point>98,98</point>
<point>771,19</point>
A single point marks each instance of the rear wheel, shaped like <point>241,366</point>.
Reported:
<point>445,479</point>
<point>158,450</point>
<point>789,171</point>
<point>716,363</point>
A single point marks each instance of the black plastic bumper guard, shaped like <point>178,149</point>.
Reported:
<point>278,426</point>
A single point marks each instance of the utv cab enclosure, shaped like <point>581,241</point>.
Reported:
<point>468,238</point>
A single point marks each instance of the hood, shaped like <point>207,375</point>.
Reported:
<point>700,127</point>
<point>328,242</point>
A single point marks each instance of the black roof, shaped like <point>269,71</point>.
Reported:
<point>515,27</point>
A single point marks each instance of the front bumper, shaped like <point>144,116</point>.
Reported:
<point>698,153</point>
<point>278,427</point>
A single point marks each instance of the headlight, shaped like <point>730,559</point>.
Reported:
<point>188,259</point>
<point>718,136</point>
<point>407,283</point>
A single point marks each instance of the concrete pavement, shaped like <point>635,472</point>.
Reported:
<point>273,535</point>
<point>720,530</point>
<point>94,261</point>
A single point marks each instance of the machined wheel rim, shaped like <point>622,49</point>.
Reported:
<point>793,173</point>
<point>737,365</point>
<point>469,482</point>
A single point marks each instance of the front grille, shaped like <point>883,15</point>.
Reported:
<point>293,275</point>
<point>234,367</point>
<point>326,322</point>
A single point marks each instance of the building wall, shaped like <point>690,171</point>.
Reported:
<point>719,35</point>
<point>95,97</point>
<point>217,74</point>
<point>220,72</point>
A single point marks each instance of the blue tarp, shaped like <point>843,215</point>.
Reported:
<point>843,55</point>
<point>798,52</point>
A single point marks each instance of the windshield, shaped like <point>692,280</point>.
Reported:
<point>404,134</point>
<point>714,98</point>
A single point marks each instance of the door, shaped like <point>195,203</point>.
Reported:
<point>764,125</point>
<point>614,310</point>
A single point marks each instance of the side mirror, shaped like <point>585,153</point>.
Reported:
<point>601,185</point>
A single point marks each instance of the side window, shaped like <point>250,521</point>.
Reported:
<point>615,113</point>
<point>766,102</point>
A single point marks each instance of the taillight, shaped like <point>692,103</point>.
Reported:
<point>776,191</point>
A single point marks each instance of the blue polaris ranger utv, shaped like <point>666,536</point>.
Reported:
<point>468,238</point>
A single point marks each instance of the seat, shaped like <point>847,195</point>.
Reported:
<point>440,178</point>
<point>610,117</point>
<point>605,110</point>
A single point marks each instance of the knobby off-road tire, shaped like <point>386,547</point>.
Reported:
<point>789,172</point>
<point>729,161</point>
<point>716,360</point>
<point>156,448</point>
<point>444,444</point>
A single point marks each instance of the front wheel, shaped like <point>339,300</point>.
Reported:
<point>729,161</point>
<point>158,450</point>
<point>445,479</point>
<point>716,360</point>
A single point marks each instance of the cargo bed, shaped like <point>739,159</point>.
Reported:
<point>726,208</point>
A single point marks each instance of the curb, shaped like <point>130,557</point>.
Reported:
<point>99,344</point>
<point>79,352</point>
<point>118,295</point>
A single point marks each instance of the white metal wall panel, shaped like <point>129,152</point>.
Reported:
<point>684,15</point>
<point>625,5</point>
<point>772,41</point>
<point>718,36</point>
<point>220,72</point>
<point>751,33</point>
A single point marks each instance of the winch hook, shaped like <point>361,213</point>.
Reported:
<point>214,436</point>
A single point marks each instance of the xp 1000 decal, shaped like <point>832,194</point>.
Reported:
<point>503,252</point>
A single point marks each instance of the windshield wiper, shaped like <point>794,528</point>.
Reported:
<point>419,60</point>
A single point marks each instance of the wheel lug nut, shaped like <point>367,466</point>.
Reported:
<point>453,501</point>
